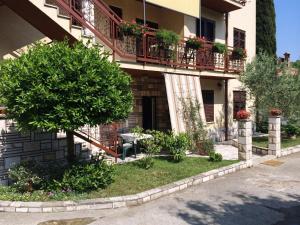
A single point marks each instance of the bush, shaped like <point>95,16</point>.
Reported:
<point>85,177</point>
<point>219,48</point>
<point>26,177</point>
<point>151,148</point>
<point>239,53</point>
<point>207,146</point>
<point>263,127</point>
<point>167,38</point>
<point>177,145</point>
<point>215,157</point>
<point>146,162</point>
<point>291,129</point>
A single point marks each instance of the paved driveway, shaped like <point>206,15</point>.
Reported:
<point>263,195</point>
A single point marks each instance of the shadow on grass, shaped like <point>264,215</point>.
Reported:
<point>244,209</point>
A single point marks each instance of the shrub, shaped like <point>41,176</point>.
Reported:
<point>215,157</point>
<point>166,38</point>
<point>208,146</point>
<point>146,162</point>
<point>219,48</point>
<point>25,177</point>
<point>262,126</point>
<point>291,129</point>
<point>177,145</point>
<point>194,43</point>
<point>85,177</point>
<point>151,148</point>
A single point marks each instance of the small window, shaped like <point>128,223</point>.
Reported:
<point>207,29</point>
<point>150,24</point>
<point>208,102</point>
<point>117,11</point>
<point>239,102</point>
<point>239,38</point>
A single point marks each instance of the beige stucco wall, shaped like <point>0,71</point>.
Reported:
<point>244,19</point>
<point>190,7</point>
<point>165,18</point>
<point>15,33</point>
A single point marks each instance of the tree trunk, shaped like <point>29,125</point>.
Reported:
<point>70,146</point>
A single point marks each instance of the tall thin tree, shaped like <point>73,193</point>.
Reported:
<point>266,27</point>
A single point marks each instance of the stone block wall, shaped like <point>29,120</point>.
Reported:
<point>275,136</point>
<point>16,147</point>
<point>154,86</point>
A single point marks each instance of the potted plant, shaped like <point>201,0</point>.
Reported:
<point>239,53</point>
<point>166,39</point>
<point>243,115</point>
<point>194,43</point>
<point>275,112</point>
<point>130,29</point>
<point>219,48</point>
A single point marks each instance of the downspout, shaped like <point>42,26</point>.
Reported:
<point>226,83</point>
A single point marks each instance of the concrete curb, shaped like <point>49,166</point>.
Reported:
<point>122,201</point>
<point>290,150</point>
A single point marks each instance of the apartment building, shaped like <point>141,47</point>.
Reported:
<point>160,81</point>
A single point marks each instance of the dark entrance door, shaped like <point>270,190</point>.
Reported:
<point>149,114</point>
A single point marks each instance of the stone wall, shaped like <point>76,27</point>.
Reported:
<point>16,147</point>
<point>259,150</point>
<point>147,85</point>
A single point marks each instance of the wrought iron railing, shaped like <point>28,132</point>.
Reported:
<point>97,17</point>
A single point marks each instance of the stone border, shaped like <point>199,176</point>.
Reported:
<point>122,201</point>
<point>290,150</point>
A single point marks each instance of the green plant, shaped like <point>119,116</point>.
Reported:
<point>61,87</point>
<point>146,162</point>
<point>25,177</point>
<point>85,177</point>
<point>151,147</point>
<point>207,146</point>
<point>195,128</point>
<point>194,43</point>
<point>215,157</point>
<point>291,129</point>
<point>219,48</point>
<point>166,38</point>
<point>130,29</point>
<point>177,145</point>
<point>239,53</point>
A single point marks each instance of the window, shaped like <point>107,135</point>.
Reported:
<point>149,23</point>
<point>207,29</point>
<point>239,38</point>
<point>239,102</point>
<point>208,101</point>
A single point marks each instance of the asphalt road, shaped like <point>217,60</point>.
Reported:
<point>263,195</point>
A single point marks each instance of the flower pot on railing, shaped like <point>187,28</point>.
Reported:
<point>275,112</point>
<point>219,48</point>
<point>238,54</point>
<point>130,29</point>
<point>194,43</point>
<point>243,115</point>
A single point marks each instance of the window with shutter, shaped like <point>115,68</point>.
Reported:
<point>208,101</point>
<point>239,102</point>
<point>239,38</point>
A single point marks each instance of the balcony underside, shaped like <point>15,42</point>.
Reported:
<point>222,6</point>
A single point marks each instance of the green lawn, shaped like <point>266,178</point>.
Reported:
<point>131,179</point>
<point>285,142</point>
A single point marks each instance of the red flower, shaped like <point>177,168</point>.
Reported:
<point>242,114</point>
<point>275,112</point>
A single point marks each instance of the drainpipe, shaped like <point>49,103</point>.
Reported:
<point>144,6</point>
<point>226,82</point>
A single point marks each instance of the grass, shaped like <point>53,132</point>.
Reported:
<point>285,142</point>
<point>130,179</point>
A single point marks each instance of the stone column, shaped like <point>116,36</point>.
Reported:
<point>274,136</point>
<point>245,141</point>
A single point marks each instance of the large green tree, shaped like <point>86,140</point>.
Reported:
<point>60,87</point>
<point>265,27</point>
<point>273,86</point>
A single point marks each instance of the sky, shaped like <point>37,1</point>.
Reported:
<point>288,27</point>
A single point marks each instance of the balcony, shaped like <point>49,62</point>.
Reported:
<point>145,48</point>
<point>223,6</point>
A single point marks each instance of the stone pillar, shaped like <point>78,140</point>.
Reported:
<point>245,141</point>
<point>274,136</point>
